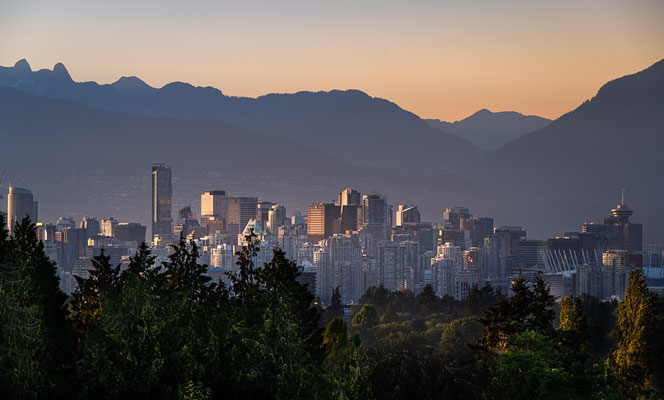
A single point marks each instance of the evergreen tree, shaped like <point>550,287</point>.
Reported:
<point>275,336</point>
<point>85,304</point>
<point>637,319</point>
<point>525,310</point>
<point>427,300</point>
<point>335,309</point>
<point>541,313</point>
<point>35,346</point>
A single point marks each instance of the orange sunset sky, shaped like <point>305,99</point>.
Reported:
<point>438,59</point>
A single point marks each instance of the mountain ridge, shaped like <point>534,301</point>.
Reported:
<point>343,123</point>
<point>490,130</point>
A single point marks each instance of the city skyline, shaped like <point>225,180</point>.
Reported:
<point>327,199</point>
<point>355,242</point>
<point>438,60</point>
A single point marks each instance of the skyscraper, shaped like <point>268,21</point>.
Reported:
<point>91,226</point>
<point>321,220</point>
<point>479,227</point>
<point>263,212</point>
<point>240,211</point>
<point>375,215</point>
<point>453,216</point>
<point>162,192</point>
<point>276,218</point>
<point>214,210</point>
<point>349,197</point>
<point>20,204</point>
<point>407,215</point>
<point>214,203</point>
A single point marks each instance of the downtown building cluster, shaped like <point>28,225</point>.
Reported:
<point>359,241</point>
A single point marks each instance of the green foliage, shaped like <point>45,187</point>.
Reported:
<point>85,304</point>
<point>166,331</point>
<point>637,320</point>
<point>601,318</point>
<point>458,336</point>
<point>366,317</point>
<point>572,316</point>
<point>525,310</point>
<point>35,344</point>
<point>530,368</point>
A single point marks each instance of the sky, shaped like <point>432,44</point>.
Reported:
<point>438,59</point>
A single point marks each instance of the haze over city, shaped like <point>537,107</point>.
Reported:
<point>331,199</point>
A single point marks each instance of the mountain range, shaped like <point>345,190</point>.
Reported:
<point>85,147</point>
<point>349,125</point>
<point>491,130</point>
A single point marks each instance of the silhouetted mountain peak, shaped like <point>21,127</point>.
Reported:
<point>60,71</point>
<point>22,66</point>
<point>482,112</point>
<point>177,85</point>
<point>490,130</point>
<point>131,84</point>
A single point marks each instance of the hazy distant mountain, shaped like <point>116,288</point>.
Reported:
<point>349,125</point>
<point>488,130</point>
<point>81,161</point>
<point>42,132</point>
<point>614,140</point>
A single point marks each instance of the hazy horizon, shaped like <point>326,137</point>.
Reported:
<point>442,61</point>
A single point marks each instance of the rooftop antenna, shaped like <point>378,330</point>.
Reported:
<point>622,196</point>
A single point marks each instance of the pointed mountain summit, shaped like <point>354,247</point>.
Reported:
<point>60,72</point>
<point>488,130</point>
<point>22,66</point>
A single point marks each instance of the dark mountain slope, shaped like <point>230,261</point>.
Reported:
<point>614,140</point>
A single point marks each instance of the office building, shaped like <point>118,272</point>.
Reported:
<point>240,211</point>
<point>263,212</point>
<point>444,267</point>
<point>162,193</point>
<point>407,214</point>
<point>214,203</point>
<point>452,216</point>
<point>130,232</point>
<point>375,216</point>
<point>276,217</point>
<point>20,204</point>
<point>351,218</point>
<point>479,228</point>
<point>91,226</point>
<point>606,280</point>
<point>349,197</point>
<point>214,211</point>
<point>107,226</point>
<point>322,219</point>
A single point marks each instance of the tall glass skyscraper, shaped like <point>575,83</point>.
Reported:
<point>162,192</point>
<point>20,204</point>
